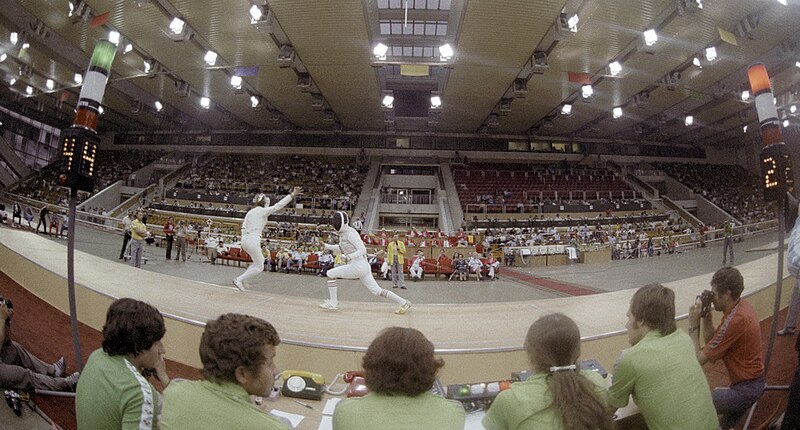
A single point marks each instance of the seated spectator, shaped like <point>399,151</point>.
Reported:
<point>400,369</point>
<point>508,256</point>
<point>559,395</point>
<point>325,262</point>
<point>492,266</point>
<point>21,370</point>
<point>460,267</point>
<point>211,249</point>
<point>475,265</point>
<point>295,260</point>
<point>114,392</point>
<point>221,249</point>
<point>238,353</point>
<point>416,266</point>
<point>659,369</point>
<point>377,260</point>
<point>282,258</point>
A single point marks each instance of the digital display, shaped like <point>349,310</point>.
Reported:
<point>776,172</point>
<point>78,152</point>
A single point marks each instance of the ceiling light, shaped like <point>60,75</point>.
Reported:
<point>101,110</point>
<point>615,68</point>
<point>744,129</point>
<point>210,58</point>
<point>50,84</point>
<point>29,90</point>
<point>711,54</point>
<point>3,57</point>
<point>797,64</point>
<point>775,100</point>
<point>255,13</point>
<point>113,37</point>
<point>380,50</point>
<point>793,108</point>
<point>436,102</point>
<point>255,101</point>
<point>148,65</point>
<point>785,123</point>
<point>572,23</point>
<point>689,120</point>
<point>205,102</point>
<point>586,91</point>
<point>176,26</point>
<point>128,48</point>
<point>650,37</point>
<point>236,81</point>
<point>388,101</point>
<point>12,81</point>
<point>25,45</point>
<point>617,112</point>
<point>71,8</point>
<point>13,37</point>
<point>446,52</point>
<point>745,95</point>
<point>783,2</point>
<point>699,3</point>
<point>696,62</point>
<point>566,109</point>
<point>158,106</point>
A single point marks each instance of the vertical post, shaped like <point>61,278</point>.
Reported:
<point>73,313</point>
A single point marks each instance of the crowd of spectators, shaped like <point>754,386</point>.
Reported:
<point>732,188</point>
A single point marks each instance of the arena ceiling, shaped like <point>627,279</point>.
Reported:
<point>310,64</point>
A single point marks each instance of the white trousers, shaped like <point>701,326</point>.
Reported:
<point>416,272</point>
<point>251,243</point>
<point>356,269</point>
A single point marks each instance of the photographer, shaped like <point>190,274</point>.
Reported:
<point>737,342</point>
<point>21,370</point>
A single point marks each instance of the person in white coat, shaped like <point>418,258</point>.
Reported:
<point>416,266</point>
<point>355,266</point>
<point>252,226</point>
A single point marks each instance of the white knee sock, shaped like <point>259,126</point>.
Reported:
<point>392,296</point>
<point>332,292</point>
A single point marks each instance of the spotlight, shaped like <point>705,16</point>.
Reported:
<point>50,84</point>
<point>650,37</point>
<point>689,120</point>
<point>113,37</point>
<point>158,106</point>
<point>785,123</point>
<point>29,90</point>
<point>210,58</point>
<point>793,108</point>
<point>177,25</point>
<point>12,81</point>
<point>745,95</point>
<point>388,101</point>
<point>148,65</point>
<point>446,52</point>
<point>3,57</point>
<point>572,23</point>
<point>236,82</point>
<point>586,91</point>
<point>696,62</point>
<point>13,37</point>
<point>615,68</point>
<point>436,102</point>
<point>711,54</point>
<point>205,103</point>
<point>255,101</point>
<point>566,109</point>
<point>744,129</point>
<point>617,112</point>
<point>255,13</point>
<point>128,48</point>
<point>379,51</point>
<point>783,2</point>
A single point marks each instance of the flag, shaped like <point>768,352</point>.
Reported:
<point>414,70</point>
<point>727,37</point>
<point>247,71</point>
<point>580,78</point>
<point>99,20</point>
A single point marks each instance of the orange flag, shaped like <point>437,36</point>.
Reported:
<point>99,20</point>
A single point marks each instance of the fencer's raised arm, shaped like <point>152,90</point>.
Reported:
<point>296,191</point>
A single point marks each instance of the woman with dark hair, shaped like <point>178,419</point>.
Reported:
<point>559,395</point>
<point>399,369</point>
<point>113,391</point>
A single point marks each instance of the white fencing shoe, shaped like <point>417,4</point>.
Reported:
<point>328,305</point>
<point>403,308</point>
<point>238,284</point>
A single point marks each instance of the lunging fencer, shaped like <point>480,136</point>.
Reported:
<point>356,266</point>
<point>252,226</point>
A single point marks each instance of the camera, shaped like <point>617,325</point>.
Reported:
<point>14,402</point>
<point>706,298</point>
<point>9,305</point>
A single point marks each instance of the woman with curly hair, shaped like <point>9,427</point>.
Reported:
<point>399,369</point>
<point>559,395</point>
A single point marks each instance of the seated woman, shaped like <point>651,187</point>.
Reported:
<point>400,369</point>
<point>462,267</point>
<point>475,265</point>
<point>559,395</point>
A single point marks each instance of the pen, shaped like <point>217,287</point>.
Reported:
<point>303,404</point>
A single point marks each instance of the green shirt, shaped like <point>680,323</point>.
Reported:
<point>529,405</point>
<point>205,405</point>
<point>425,411</point>
<point>112,394</point>
<point>666,381</point>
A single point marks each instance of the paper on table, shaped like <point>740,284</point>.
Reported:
<point>473,421</point>
<point>293,418</point>
<point>326,423</point>
<point>330,405</point>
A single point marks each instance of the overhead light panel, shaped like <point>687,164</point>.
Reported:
<point>566,109</point>
<point>793,108</point>
<point>177,25</point>
<point>745,95</point>
<point>785,123</point>
<point>388,100</point>
<point>711,54</point>
<point>616,112</point>
<point>797,64</point>
<point>379,51</point>
<point>13,38</point>
<point>689,120</point>
<point>696,62</point>
<point>436,102</point>
<point>615,68</point>
<point>783,2</point>
<point>113,37</point>
<point>3,57</point>
<point>744,129</point>
<point>587,91</point>
<point>210,58</point>
<point>159,106</point>
<point>255,101</point>
<point>572,23</point>
<point>29,90</point>
<point>50,84</point>
<point>12,81</point>
<point>446,52</point>
<point>236,82</point>
<point>205,103</point>
<point>148,66</point>
<point>650,37</point>
<point>128,48</point>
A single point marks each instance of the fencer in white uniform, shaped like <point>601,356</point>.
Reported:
<point>252,226</point>
<point>356,266</point>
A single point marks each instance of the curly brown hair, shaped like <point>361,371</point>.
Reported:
<point>400,361</point>
<point>234,340</point>
<point>132,326</point>
<point>728,279</point>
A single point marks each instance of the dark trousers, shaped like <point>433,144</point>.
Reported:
<point>42,221</point>
<point>125,239</point>
<point>170,238</point>
<point>21,370</point>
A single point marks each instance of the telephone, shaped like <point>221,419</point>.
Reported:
<point>358,385</point>
<point>302,384</point>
